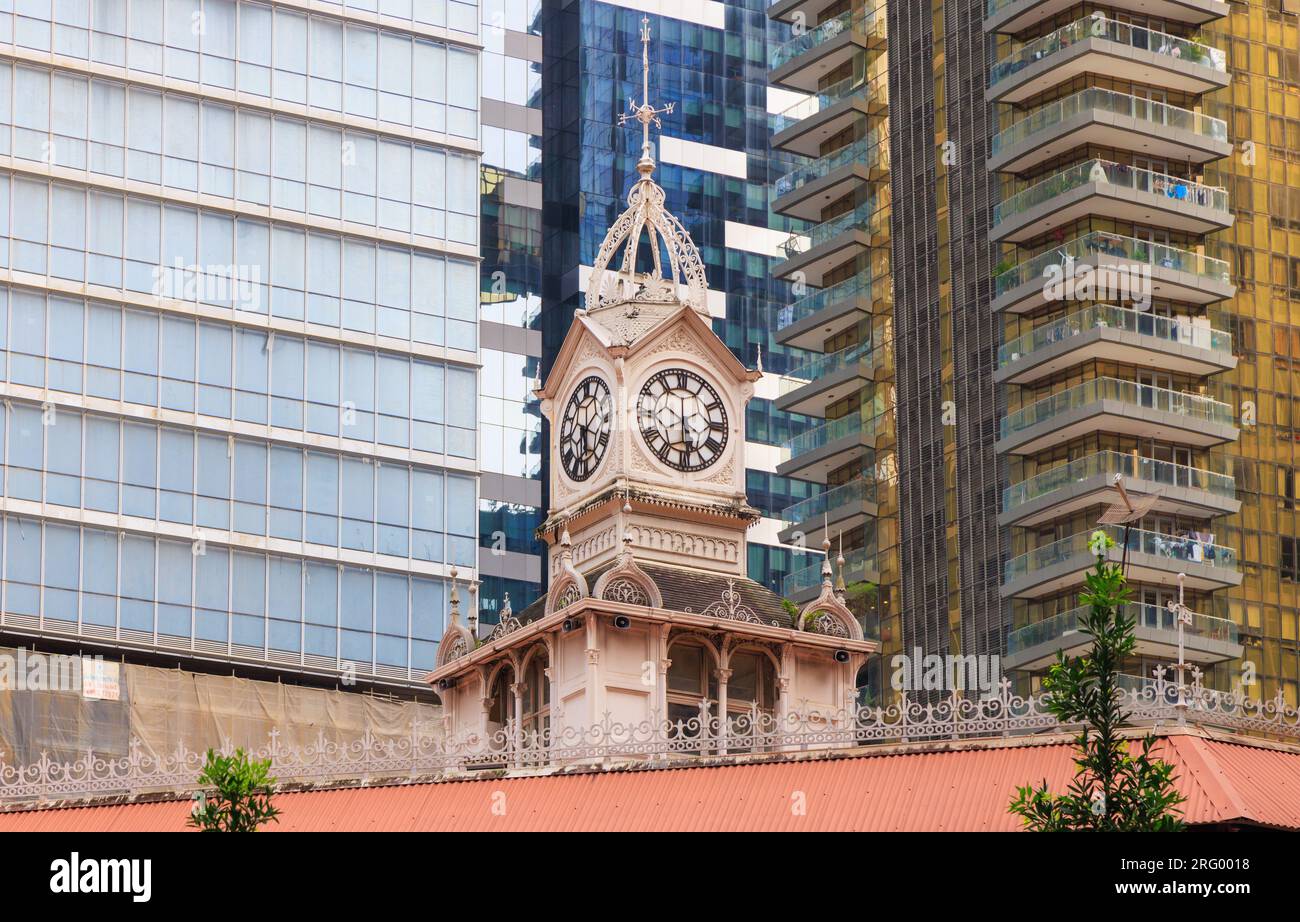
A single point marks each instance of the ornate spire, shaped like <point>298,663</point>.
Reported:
<point>454,613</point>
<point>645,113</point>
<point>646,215</point>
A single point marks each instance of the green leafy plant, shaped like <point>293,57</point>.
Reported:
<point>791,609</point>
<point>1113,790</point>
<point>242,799</point>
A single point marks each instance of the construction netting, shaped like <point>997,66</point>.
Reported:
<point>167,708</point>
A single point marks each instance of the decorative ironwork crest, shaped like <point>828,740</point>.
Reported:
<point>732,607</point>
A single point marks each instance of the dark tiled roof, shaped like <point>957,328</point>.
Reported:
<point>693,591</point>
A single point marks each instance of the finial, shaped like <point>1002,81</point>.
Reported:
<point>505,607</point>
<point>454,613</point>
<point>645,113</point>
<point>759,366</point>
<point>839,563</point>
<point>471,619</point>
<point>826,536</point>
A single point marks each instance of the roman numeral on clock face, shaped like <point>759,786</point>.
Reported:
<point>584,428</point>
<point>682,419</point>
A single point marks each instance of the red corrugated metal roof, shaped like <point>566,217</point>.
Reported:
<point>962,789</point>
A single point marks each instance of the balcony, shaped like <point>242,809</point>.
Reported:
<point>1106,189</point>
<point>1104,266</point>
<point>804,192</point>
<point>813,386</point>
<point>805,59</point>
<point>1109,119</point>
<point>1014,16</point>
<point>1090,481</point>
<point>832,243</point>
<point>787,10</point>
<point>1122,407</point>
<point>1104,332</point>
<point>860,566</point>
<point>815,452</point>
<point>1117,50</point>
<point>1207,640</point>
<point>827,312</point>
<point>1153,558</point>
<point>830,512</point>
<point>808,124</point>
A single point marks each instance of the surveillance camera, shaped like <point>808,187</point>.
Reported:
<point>622,622</point>
<point>841,656</point>
<point>569,624</point>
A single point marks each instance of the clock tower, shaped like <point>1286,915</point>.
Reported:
<point>646,404</point>
<point>649,612</point>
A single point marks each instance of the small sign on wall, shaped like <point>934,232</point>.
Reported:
<point>100,680</point>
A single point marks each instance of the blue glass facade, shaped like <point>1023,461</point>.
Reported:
<point>241,348</point>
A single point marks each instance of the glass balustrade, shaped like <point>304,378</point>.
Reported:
<point>1119,32</point>
<point>868,22</point>
<point>872,149</point>
<point>859,285</point>
<point>1179,549</point>
<point>863,489</point>
<point>1168,329</point>
<point>1117,247</point>
<point>858,566</point>
<point>1113,103</point>
<point>1177,190</point>
<point>876,88</point>
<point>867,215</point>
<point>1155,617</point>
<point>1109,463</point>
<point>1159,398</point>
<point>821,366</point>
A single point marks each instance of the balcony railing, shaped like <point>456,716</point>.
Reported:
<point>872,148</point>
<point>861,490</point>
<point>1119,32</point>
<point>823,365</point>
<point>857,566</point>
<point>1109,101</point>
<point>859,285</point>
<point>857,85</point>
<point>1110,463</point>
<point>866,21</point>
<point>1075,548</point>
<point>1115,246</point>
<point>868,214</point>
<point>1156,617</point>
<point>1116,174</point>
<point>1144,323</point>
<point>817,436</point>
<point>1091,391</point>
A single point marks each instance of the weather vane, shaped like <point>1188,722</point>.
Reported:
<point>645,113</point>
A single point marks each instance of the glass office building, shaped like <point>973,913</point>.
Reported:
<point>511,559</point>
<point>710,60</point>
<point>240,336</point>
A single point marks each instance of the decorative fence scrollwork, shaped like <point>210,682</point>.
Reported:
<point>802,729</point>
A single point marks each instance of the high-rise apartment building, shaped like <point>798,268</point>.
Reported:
<point>833,65</point>
<point>1088,270</point>
<point>710,60</point>
<point>241,339</point>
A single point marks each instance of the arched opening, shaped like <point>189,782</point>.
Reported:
<point>692,685</point>
<point>751,692</point>
<point>536,714</point>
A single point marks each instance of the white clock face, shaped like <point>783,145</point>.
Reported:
<point>682,419</point>
<point>584,428</point>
